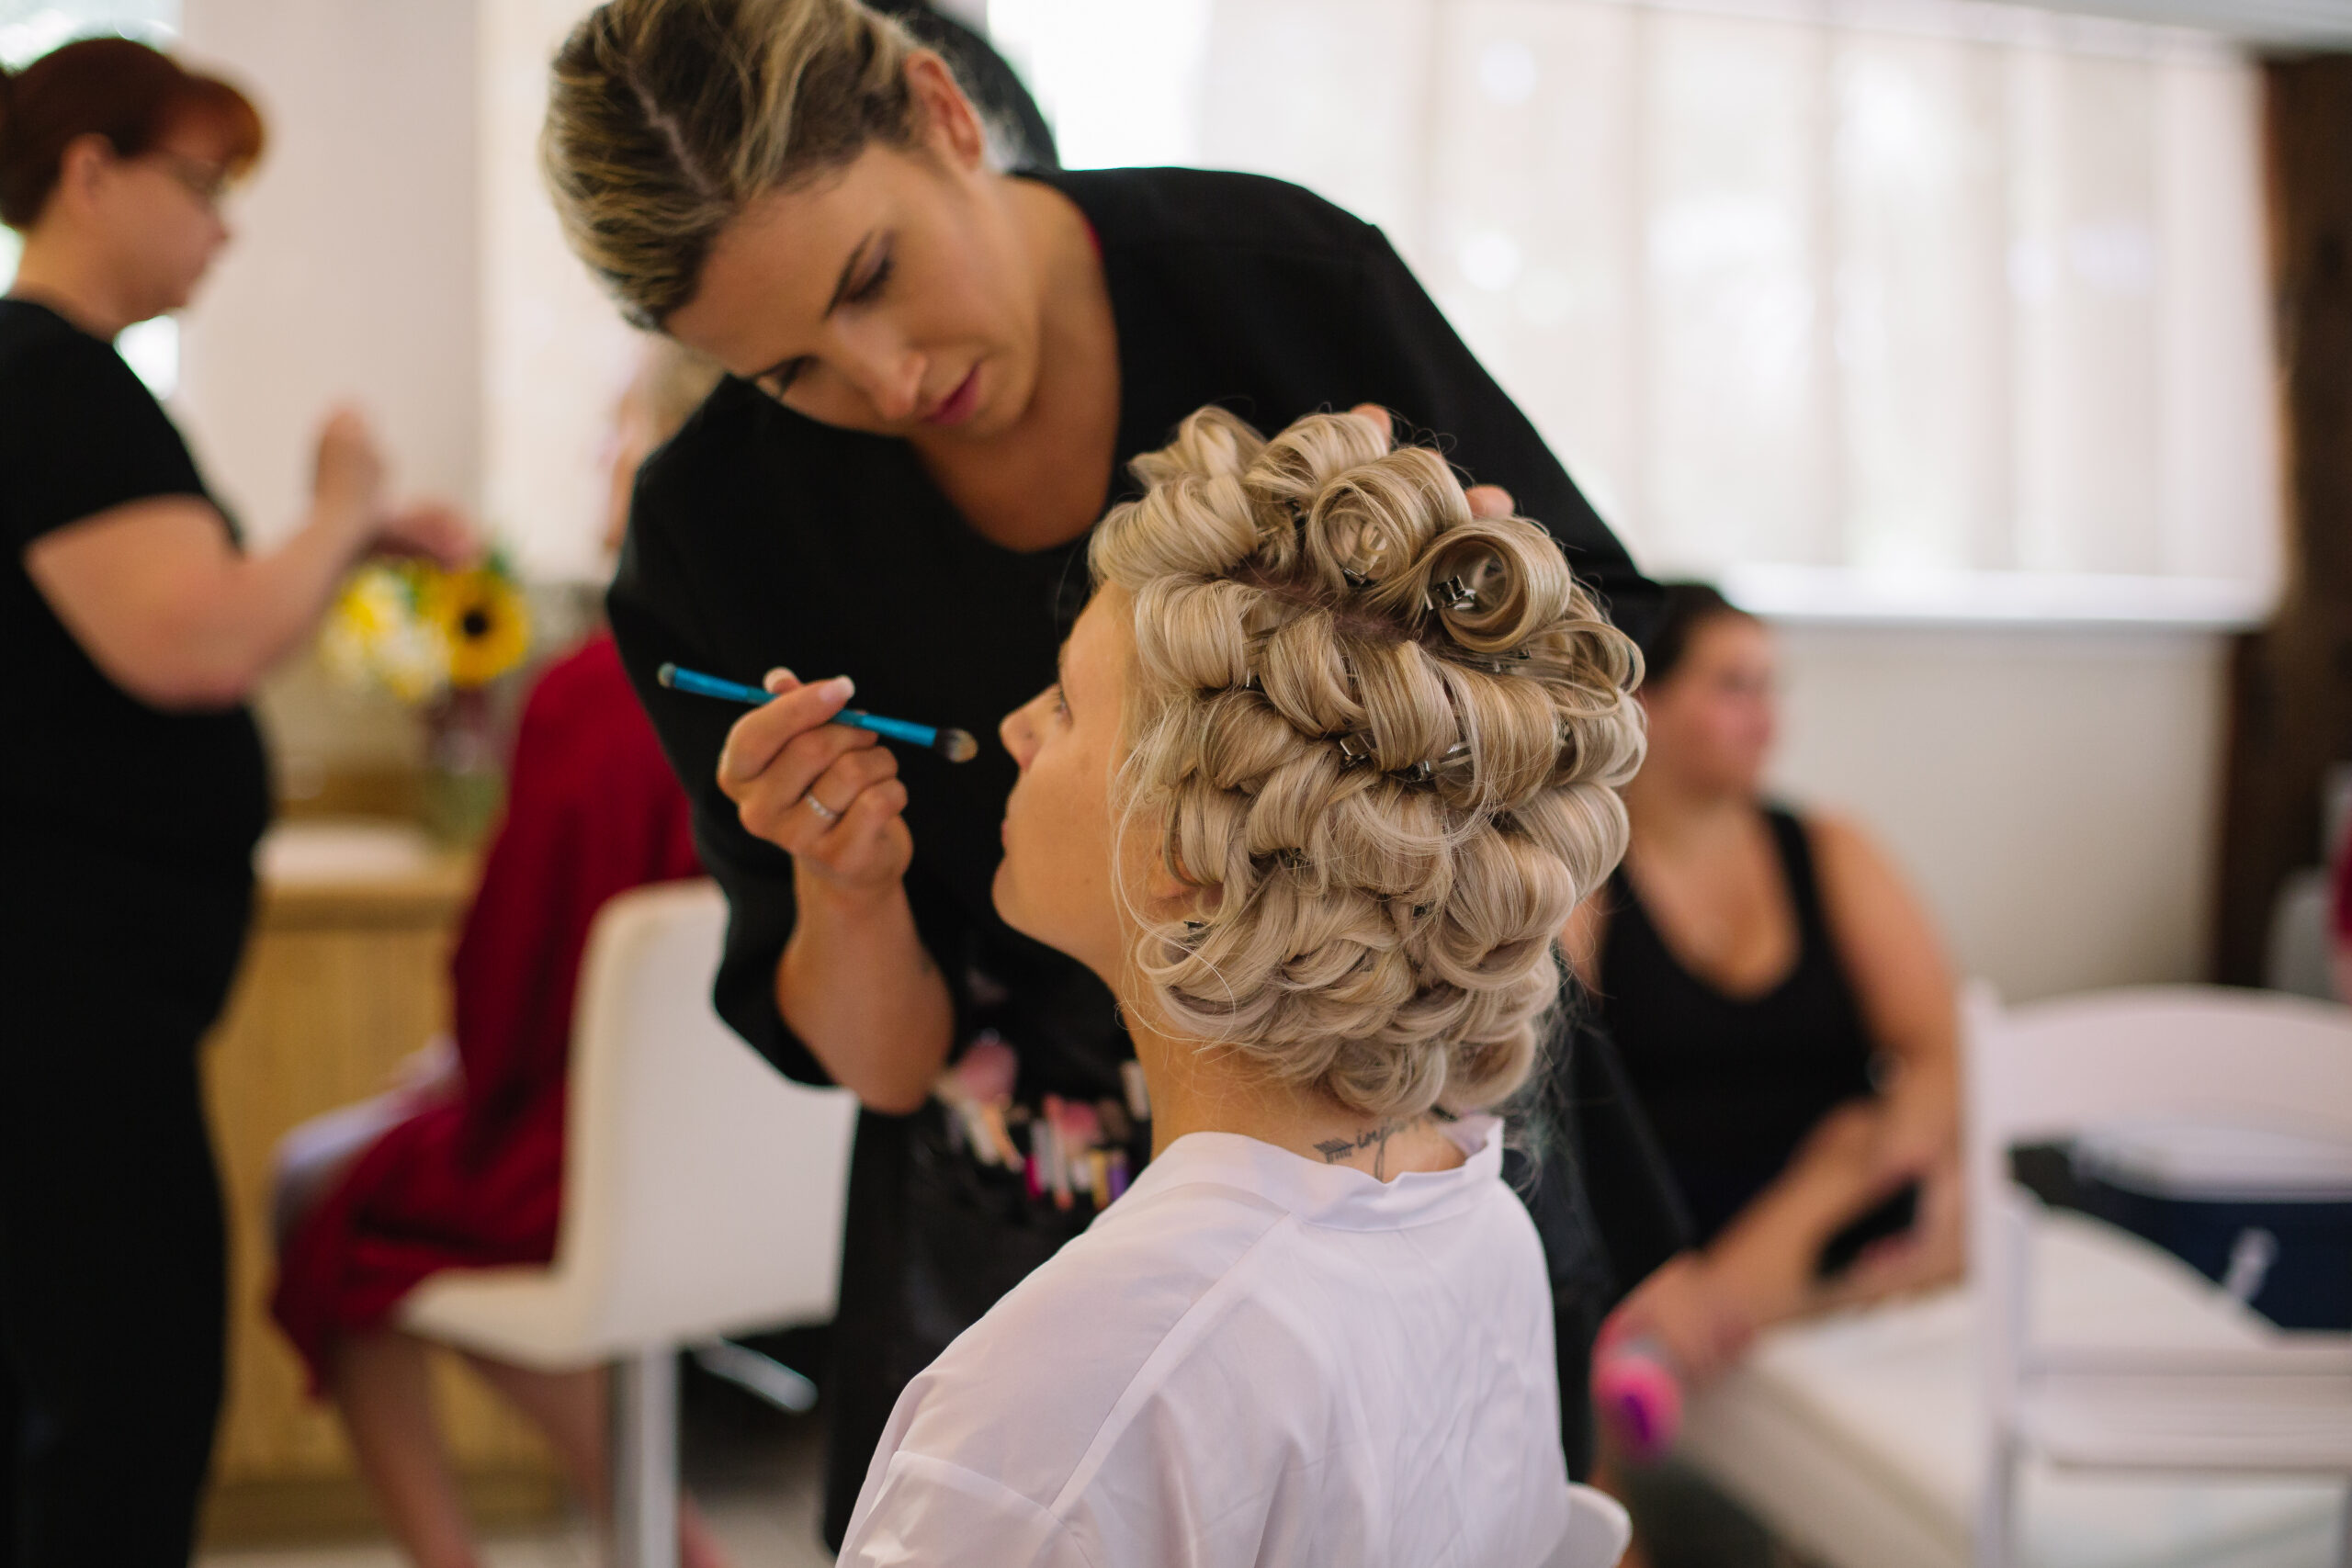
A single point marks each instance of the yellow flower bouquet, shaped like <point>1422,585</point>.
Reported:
<point>434,640</point>
<point>419,632</point>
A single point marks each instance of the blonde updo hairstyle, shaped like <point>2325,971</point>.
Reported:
<point>1387,735</point>
<point>666,116</point>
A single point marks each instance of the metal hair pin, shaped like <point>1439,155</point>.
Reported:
<point>1452,594</point>
<point>1508,663</point>
<point>1426,769</point>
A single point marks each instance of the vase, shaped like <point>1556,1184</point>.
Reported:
<point>463,783</point>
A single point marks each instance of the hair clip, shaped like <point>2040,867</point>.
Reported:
<point>1452,594</point>
<point>1424,769</point>
<point>1356,579</point>
<point>1354,748</point>
<point>1499,664</point>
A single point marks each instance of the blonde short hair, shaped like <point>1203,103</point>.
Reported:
<point>1389,734</point>
<point>666,116</point>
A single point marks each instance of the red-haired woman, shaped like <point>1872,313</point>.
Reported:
<point>132,627</point>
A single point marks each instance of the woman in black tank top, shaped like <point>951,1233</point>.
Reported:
<point>1784,1012</point>
<point>1733,1081</point>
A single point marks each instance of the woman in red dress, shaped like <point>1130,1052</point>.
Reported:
<point>462,1167</point>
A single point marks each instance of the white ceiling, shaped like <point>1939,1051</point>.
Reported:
<point>2305,24</point>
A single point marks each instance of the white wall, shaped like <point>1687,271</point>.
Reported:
<point>354,270</point>
<point>555,352</point>
<point>2053,793</point>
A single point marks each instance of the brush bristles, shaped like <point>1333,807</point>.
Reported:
<point>956,746</point>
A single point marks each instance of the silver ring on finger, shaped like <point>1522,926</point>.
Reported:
<point>825,812</point>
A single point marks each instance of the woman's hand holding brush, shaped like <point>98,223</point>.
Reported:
<point>855,983</point>
<point>828,794</point>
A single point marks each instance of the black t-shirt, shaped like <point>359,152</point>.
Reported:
<point>759,538</point>
<point>86,763</point>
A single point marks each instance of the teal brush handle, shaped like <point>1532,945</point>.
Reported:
<point>953,744</point>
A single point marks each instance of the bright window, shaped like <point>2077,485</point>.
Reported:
<point>1900,308</point>
<point>27,31</point>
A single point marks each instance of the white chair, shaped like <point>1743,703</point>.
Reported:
<point>703,1195</point>
<point>2276,1408</point>
<point>1596,1535</point>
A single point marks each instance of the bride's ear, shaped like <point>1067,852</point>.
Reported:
<point>1176,899</point>
<point>1166,892</point>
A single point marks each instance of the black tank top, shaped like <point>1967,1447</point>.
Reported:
<point>1733,1085</point>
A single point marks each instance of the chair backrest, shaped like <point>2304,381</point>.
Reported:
<point>704,1190</point>
<point>2181,1054</point>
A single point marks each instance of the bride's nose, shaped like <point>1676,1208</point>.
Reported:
<point>1019,735</point>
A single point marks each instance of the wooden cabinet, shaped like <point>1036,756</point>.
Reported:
<point>346,974</point>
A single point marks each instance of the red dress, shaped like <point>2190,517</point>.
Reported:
<point>474,1176</point>
<point>2343,922</point>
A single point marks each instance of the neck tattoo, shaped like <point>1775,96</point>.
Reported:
<point>1334,1150</point>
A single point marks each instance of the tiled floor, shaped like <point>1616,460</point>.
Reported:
<point>756,1476</point>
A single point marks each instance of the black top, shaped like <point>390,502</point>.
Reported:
<point>759,537</point>
<point>88,762</point>
<point>1732,1085</point>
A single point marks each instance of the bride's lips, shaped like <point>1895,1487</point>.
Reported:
<point>957,405</point>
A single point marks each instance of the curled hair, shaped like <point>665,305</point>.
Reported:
<point>666,116</point>
<point>1388,734</point>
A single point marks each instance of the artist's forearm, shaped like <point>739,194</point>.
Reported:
<point>172,612</point>
<point>857,986</point>
<point>263,608</point>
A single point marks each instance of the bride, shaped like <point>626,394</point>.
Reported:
<point>1328,764</point>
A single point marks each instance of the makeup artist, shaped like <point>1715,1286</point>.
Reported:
<point>132,627</point>
<point>940,373</point>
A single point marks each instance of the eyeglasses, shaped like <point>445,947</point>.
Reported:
<point>206,182</point>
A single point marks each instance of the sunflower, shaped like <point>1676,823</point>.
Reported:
<point>376,635</point>
<point>482,619</point>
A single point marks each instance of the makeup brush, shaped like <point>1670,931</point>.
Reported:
<point>956,745</point>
